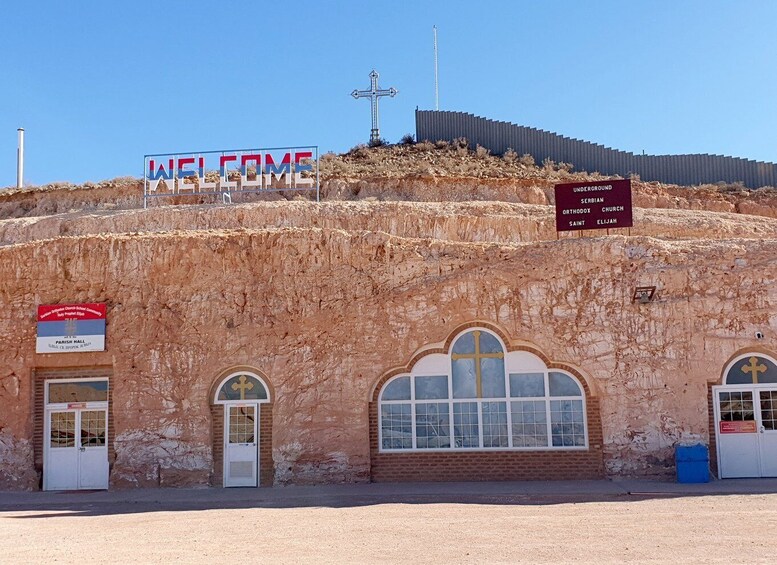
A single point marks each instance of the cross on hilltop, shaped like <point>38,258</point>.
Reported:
<point>373,94</point>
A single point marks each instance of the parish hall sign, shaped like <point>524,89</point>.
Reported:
<point>593,205</point>
<point>231,171</point>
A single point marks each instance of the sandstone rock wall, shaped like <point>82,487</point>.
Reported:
<point>325,306</point>
<point>497,222</point>
<point>127,193</point>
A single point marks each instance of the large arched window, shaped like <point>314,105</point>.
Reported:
<point>480,397</point>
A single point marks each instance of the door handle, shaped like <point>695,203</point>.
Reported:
<point>81,449</point>
<point>762,430</point>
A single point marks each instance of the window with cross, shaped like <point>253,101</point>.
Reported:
<point>752,369</point>
<point>485,399</point>
<point>242,386</point>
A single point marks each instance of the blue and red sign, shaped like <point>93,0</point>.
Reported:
<point>67,328</point>
<point>238,170</point>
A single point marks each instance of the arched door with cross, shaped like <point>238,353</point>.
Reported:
<point>242,395</point>
<point>746,418</point>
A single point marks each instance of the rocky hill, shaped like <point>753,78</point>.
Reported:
<point>409,243</point>
<point>422,172</point>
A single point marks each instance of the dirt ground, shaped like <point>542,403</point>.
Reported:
<point>537,529</point>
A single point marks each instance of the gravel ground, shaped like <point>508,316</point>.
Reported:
<point>482,529</point>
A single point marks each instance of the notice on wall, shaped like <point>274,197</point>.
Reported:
<point>593,205</point>
<point>738,427</point>
<point>69,328</point>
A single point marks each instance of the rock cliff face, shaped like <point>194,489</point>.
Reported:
<point>324,299</point>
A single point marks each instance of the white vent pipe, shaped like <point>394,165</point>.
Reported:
<point>20,160</point>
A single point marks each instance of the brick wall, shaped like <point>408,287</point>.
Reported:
<point>713,441</point>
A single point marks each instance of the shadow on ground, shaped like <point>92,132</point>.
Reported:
<point>101,503</point>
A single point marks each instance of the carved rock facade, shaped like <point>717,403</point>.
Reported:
<point>332,297</point>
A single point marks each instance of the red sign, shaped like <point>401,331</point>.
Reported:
<point>738,427</point>
<point>60,312</point>
<point>593,205</point>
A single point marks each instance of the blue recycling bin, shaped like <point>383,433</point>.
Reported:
<point>693,463</point>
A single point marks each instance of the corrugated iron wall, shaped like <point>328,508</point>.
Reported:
<point>585,156</point>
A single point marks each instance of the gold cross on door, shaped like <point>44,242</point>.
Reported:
<point>477,356</point>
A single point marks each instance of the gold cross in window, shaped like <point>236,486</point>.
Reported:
<point>754,368</point>
<point>242,385</point>
<point>477,356</point>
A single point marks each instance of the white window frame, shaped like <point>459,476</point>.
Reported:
<point>247,400</point>
<point>736,360</point>
<point>450,401</point>
<point>96,404</point>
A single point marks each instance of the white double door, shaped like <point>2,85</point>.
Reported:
<point>241,445</point>
<point>76,448</point>
<point>746,431</point>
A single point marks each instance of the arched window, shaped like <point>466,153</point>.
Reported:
<point>480,397</point>
<point>751,368</point>
<point>241,386</point>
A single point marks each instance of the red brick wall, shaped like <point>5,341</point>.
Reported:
<point>713,441</point>
<point>490,465</point>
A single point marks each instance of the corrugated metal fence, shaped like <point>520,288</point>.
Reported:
<point>585,156</point>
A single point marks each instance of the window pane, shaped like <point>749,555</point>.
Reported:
<point>489,344</point>
<point>736,406</point>
<point>398,389</point>
<point>465,344</point>
<point>241,424</point>
<point>396,426</point>
<point>432,425</point>
<point>529,423</point>
<point>92,428</point>
<point>563,385</point>
<point>527,384</point>
<point>566,418</point>
<point>493,375</point>
<point>90,391</point>
<point>63,429</point>
<point>495,424</point>
<point>427,388</point>
<point>464,385</point>
<point>465,424</point>
<point>243,387</point>
<point>769,409</point>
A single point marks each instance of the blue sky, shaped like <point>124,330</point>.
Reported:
<point>97,85</point>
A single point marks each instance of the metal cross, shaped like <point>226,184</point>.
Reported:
<point>373,94</point>
<point>754,368</point>
<point>477,356</point>
<point>242,385</point>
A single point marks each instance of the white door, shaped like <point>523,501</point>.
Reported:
<point>767,427</point>
<point>746,431</point>
<point>76,454</point>
<point>241,445</point>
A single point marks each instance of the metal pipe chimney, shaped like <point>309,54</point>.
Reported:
<point>20,160</point>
